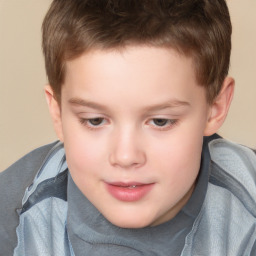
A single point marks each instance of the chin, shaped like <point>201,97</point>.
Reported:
<point>129,222</point>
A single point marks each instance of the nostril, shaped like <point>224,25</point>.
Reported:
<point>127,150</point>
<point>127,161</point>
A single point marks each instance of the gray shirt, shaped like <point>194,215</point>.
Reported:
<point>55,216</point>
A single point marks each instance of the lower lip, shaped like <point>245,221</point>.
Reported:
<point>129,194</point>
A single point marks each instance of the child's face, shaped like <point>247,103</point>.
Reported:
<point>132,123</point>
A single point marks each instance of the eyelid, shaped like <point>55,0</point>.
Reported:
<point>85,122</point>
<point>171,123</point>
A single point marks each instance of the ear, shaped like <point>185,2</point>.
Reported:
<point>219,108</point>
<point>55,111</point>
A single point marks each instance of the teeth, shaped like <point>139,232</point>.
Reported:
<point>133,186</point>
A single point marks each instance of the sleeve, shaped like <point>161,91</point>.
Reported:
<point>13,183</point>
<point>253,252</point>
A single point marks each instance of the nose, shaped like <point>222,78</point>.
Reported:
<point>127,150</point>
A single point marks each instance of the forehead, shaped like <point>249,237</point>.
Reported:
<point>133,59</point>
<point>131,72</point>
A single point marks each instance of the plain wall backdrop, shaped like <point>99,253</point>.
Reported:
<point>24,120</point>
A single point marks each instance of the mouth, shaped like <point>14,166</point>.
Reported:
<point>128,192</point>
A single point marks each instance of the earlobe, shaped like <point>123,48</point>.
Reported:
<point>220,106</point>
<point>55,111</point>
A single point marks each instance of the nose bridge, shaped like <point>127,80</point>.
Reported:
<point>127,149</point>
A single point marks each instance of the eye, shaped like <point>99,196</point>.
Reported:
<point>160,121</point>
<point>163,123</point>
<point>93,122</point>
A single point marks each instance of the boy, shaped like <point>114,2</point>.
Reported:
<point>137,91</point>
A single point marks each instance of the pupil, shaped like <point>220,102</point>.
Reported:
<point>96,121</point>
<point>160,122</point>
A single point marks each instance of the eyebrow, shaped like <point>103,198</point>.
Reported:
<point>174,103</point>
<point>86,103</point>
<point>169,104</point>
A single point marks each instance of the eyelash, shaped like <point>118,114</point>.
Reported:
<point>168,123</point>
<point>86,122</point>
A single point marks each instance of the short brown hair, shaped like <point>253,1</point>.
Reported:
<point>200,29</point>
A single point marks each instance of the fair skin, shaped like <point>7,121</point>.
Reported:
<point>132,122</point>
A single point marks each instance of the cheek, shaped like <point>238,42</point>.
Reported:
<point>84,163</point>
<point>83,155</point>
<point>81,146</point>
<point>178,156</point>
<point>86,156</point>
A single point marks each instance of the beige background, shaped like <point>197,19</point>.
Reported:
<point>24,120</point>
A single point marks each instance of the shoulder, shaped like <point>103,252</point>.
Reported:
<point>234,162</point>
<point>222,150</point>
<point>13,182</point>
<point>32,158</point>
<point>21,172</point>
<point>230,204</point>
<point>233,168</point>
